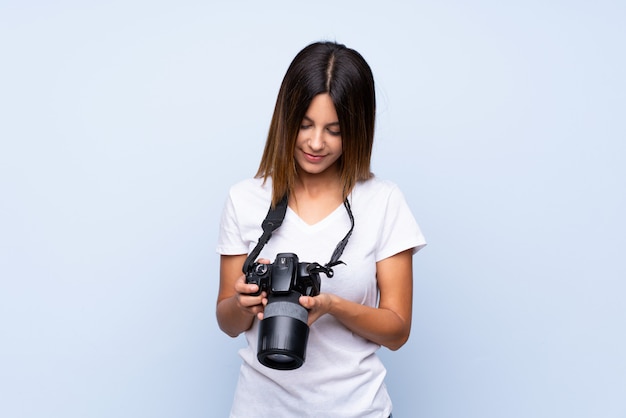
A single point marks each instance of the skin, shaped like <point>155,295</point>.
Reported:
<point>317,193</point>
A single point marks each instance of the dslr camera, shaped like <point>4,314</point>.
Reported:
<point>284,330</point>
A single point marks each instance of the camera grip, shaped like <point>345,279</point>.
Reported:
<point>258,275</point>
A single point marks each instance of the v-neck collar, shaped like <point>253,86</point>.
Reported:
<point>321,224</point>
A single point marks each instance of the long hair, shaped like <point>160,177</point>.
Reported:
<point>322,67</point>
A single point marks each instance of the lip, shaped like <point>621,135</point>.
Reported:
<point>313,158</point>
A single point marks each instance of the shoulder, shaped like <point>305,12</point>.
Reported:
<point>376,189</point>
<point>252,190</point>
<point>386,211</point>
<point>378,198</point>
<point>247,203</point>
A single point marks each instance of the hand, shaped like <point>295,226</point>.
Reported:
<point>317,305</point>
<point>254,304</point>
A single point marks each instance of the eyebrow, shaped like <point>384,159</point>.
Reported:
<point>312,121</point>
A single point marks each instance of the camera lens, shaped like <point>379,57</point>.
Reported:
<point>283,333</point>
<point>282,343</point>
<point>279,358</point>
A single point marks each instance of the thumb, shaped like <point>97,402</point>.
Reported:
<point>306,301</point>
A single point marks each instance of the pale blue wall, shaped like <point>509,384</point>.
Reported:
<point>123,124</point>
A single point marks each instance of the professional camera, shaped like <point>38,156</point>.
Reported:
<point>284,330</point>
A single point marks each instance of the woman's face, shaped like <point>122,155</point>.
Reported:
<point>318,146</point>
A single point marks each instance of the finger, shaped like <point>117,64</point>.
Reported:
<point>247,301</point>
<point>306,301</point>
<point>246,288</point>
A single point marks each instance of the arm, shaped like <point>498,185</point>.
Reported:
<point>390,323</point>
<point>235,309</point>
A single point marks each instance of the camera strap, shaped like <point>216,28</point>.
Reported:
<point>274,219</point>
<point>334,259</point>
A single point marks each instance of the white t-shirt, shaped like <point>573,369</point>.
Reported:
<point>342,376</point>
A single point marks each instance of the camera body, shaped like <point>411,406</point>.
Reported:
<point>284,330</point>
<point>285,275</point>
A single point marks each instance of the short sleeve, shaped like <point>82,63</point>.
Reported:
<point>399,231</point>
<point>230,241</point>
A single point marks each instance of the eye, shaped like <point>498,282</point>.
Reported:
<point>334,132</point>
<point>305,126</point>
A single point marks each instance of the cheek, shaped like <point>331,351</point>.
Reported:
<point>339,146</point>
<point>300,139</point>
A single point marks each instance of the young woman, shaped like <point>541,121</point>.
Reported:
<point>318,155</point>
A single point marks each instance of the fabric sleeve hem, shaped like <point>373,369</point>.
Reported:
<point>415,247</point>
<point>222,250</point>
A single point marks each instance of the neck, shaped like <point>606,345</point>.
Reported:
<point>327,183</point>
<point>314,197</point>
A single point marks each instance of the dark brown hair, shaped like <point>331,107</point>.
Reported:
<point>322,67</point>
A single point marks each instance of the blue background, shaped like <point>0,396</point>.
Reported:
<point>123,123</point>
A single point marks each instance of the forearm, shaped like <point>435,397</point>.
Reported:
<point>236,306</point>
<point>231,318</point>
<point>380,325</point>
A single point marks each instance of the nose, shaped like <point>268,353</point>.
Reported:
<point>316,140</point>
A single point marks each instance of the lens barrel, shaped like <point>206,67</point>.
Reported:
<point>283,333</point>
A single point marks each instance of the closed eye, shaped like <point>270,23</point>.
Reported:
<point>331,128</point>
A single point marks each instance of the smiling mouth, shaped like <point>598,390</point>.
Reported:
<point>312,157</point>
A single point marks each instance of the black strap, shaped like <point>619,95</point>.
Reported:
<point>334,259</point>
<point>274,219</point>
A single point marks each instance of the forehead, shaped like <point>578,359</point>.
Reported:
<point>322,107</point>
